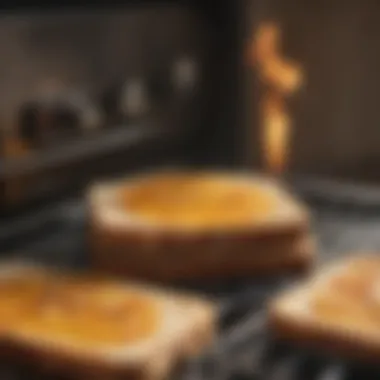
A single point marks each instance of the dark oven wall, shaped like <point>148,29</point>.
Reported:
<point>100,89</point>
<point>221,138</point>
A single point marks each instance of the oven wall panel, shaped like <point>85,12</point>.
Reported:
<point>90,51</point>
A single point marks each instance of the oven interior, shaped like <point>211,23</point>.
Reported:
<point>109,89</point>
<point>182,61</point>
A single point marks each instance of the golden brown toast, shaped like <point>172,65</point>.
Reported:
<point>175,225</point>
<point>97,328</point>
<point>337,310</point>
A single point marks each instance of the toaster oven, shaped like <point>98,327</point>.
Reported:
<point>95,90</point>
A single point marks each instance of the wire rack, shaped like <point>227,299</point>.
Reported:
<point>345,219</point>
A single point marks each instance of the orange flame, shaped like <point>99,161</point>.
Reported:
<point>281,78</point>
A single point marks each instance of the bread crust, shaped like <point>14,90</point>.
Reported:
<point>297,257</point>
<point>290,325</point>
<point>197,327</point>
<point>174,254</point>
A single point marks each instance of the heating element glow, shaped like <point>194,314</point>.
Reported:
<point>280,78</point>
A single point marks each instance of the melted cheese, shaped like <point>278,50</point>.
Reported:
<point>196,201</point>
<point>78,311</point>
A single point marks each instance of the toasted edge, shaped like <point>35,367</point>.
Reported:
<point>297,257</point>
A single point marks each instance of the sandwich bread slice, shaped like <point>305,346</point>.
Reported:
<point>337,310</point>
<point>96,328</point>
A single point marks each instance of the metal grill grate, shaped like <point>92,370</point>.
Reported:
<point>245,349</point>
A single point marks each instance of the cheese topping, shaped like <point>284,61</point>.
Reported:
<point>75,310</point>
<point>350,297</point>
<point>197,201</point>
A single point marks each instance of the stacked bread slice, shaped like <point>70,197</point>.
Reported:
<point>193,225</point>
<point>95,328</point>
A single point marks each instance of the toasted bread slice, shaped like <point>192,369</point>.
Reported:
<point>210,224</point>
<point>337,310</point>
<point>95,328</point>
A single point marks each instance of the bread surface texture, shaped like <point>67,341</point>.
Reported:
<point>336,310</point>
<point>88,327</point>
<point>194,202</point>
<point>197,224</point>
